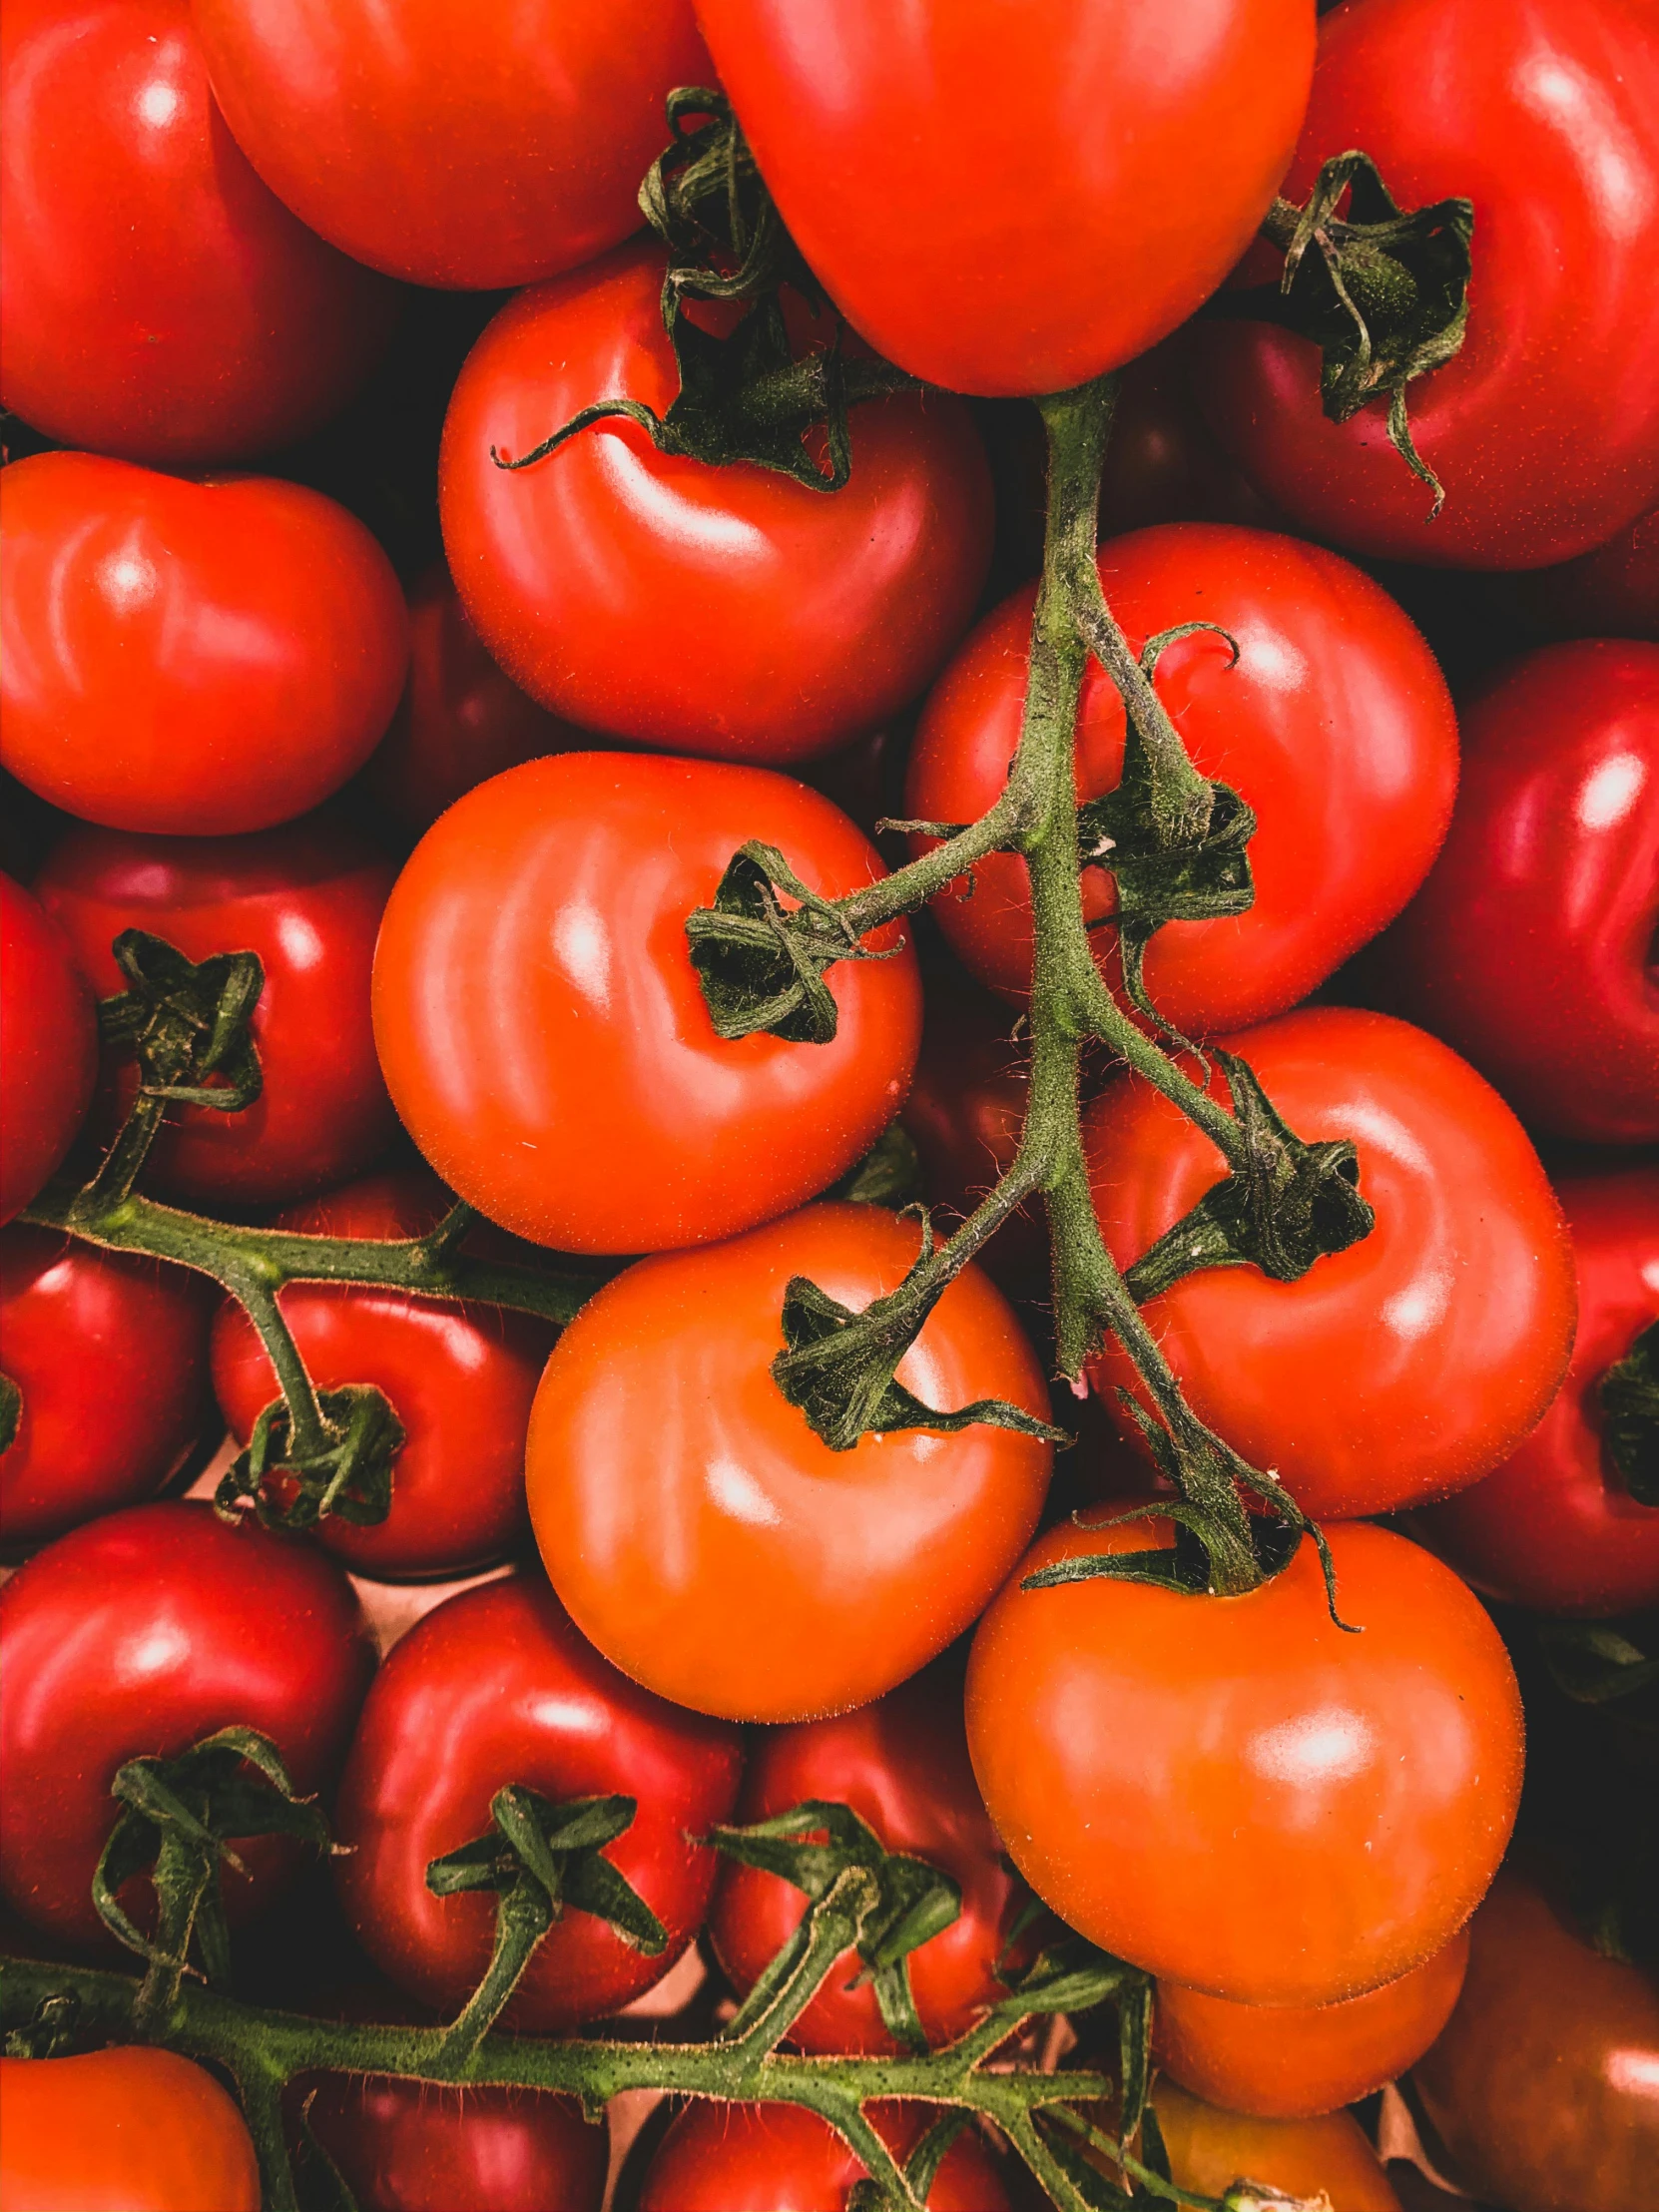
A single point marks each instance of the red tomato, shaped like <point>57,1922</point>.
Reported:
<point>496,1687</point>
<point>1531,946</point>
<point>122,2130</point>
<point>1208,2151</point>
<point>459,1376</point>
<point>542,1028</point>
<point>974,185</point>
<point>1336,725</point>
<point>49,1028</point>
<point>1557,1527</point>
<point>141,1634</point>
<point>411,2146</point>
<point>782,2158</point>
<point>1544,429</point>
<point>157,301</point>
<point>1610,593</point>
<point>1410,1365</point>
<point>729,611</point>
<point>201,657</point>
<point>719,1551</point>
<point>308,899</point>
<point>111,1351</point>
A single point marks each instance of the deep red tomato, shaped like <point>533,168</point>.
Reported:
<point>308,900</point>
<point>729,611</point>
<point>1531,948</point>
<point>495,1686</point>
<point>111,1352</point>
<point>49,1064</point>
<point>1556,1529</point>
<point>1544,429</point>
<point>542,1028</point>
<point>139,1635</point>
<point>159,302</point>
<point>782,2158</point>
<point>1235,1793</point>
<point>720,1551</point>
<point>412,2146</point>
<point>1415,1362</point>
<point>1610,593</point>
<point>1336,725</point>
<point>188,657</point>
<point>460,1378</point>
<point>122,2130</point>
<point>976,186</point>
<point>1308,2161</point>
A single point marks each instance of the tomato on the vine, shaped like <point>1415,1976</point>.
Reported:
<point>784,2158</point>
<point>49,1035</point>
<point>129,2129</point>
<point>1311,2160</point>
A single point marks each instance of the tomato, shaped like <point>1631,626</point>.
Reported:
<point>1544,2086</point>
<point>1210,2149</point>
<point>495,1686</point>
<point>1336,725</point>
<point>1531,946</point>
<point>141,1634</point>
<point>543,1032</point>
<point>719,1551</point>
<point>782,2158</point>
<point>50,1061</point>
<point>459,1376</point>
<point>1613,592</point>
<point>308,900</point>
<point>1415,1362</point>
<point>111,1352</point>
<point>1544,429</point>
<point>412,2146</point>
<point>190,657</point>
<point>122,2130</point>
<point>159,302</point>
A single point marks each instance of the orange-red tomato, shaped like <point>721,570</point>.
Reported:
<point>49,1030</point>
<point>123,2130</point>
<point>1211,2149</point>
<point>782,2158</point>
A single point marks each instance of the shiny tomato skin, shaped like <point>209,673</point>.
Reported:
<point>49,1035</point>
<point>1411,1363</point>
<point>416,2146</point>
<point>722,1553</point>
<point>128,2129</point>
<point>159,302</point>
<point>1545,429</point>
<point>1210,2149</point>
<point>308,899</point>
<point>110,1350</point>
<point>976,186</point>
<point>1235,1793</point>
<point>189,657</point>
<point>1556,1529</point>
<point>727,611</point>
<point>1336,725</point>
<point>140,1634</point>
<point>543,1033</point>
<point>784,2158</point>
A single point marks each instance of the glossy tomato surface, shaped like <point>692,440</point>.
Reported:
<point>1210,2149</point>
<point>720,1551</point>
<point>413,2146</point>
<point>122,2130</point>
<point>48,1047</point>
<point>782,2158</point>
<point>543,1032</point>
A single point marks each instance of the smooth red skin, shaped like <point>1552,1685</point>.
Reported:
<point>159,302</point>
<point>111,1352</point>
<point>543,1033</point>
<point>847,1569</point>
<point>308,900</point>
<point>1544,2087</point>
<point>1613,592</point>
<point>726,610</point>
<point>1010,202</point>
<point>494,1687</point>
<point>48,1047</point>
<point>1556,1528</point>
<point>782,2158</point>
<point>469,147</point>
<point>122,2130</point>
<point>141,1634</point>
<point>413,2146</point>
<point>1544,429</point>
<point>1336,725</point>
<point>1235,1793</point>
<point>1404,1368</point>
<point>1533,947</point>
<point>189,658</point>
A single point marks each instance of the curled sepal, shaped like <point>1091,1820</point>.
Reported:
<point>1594,1663</point>
<point>1070,1975</point>
<point>761,964</point>
<point>49,2032</point>
<point>1629,1395</point>
<point>348,1479</point>
<point>11,1407</point>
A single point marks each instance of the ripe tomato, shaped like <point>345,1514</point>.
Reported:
<point>730,610</point>
<point>1544,429</point>
<point>782,2158</point>
<point>1613,592</point>
<point>1235,1793</point>
<point>1415,1362</point>
<point>122,2130</point>
<point>976,186</point>
<point>1336,725</point>
<point>543,1032</point>
<point>719,1551</point>
<point>496,1687</point>
<point>201,657</point>
<point>1532,950</point>
<point>308,900</point>
<point>412,2146</point>
<point>141,1634</point>
<point>49,1026</point>
<point>159,302</point>
<point>1208,2151</point>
